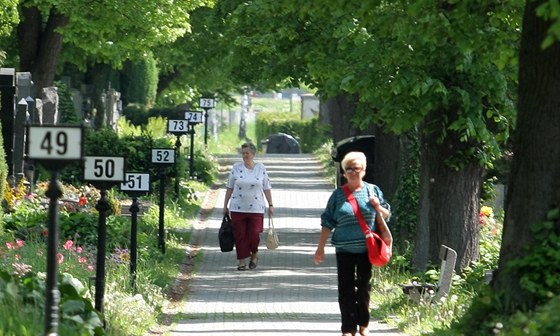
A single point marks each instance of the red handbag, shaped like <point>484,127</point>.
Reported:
<point>379,252</point>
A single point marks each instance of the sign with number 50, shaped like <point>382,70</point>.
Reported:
<point>104,168</point>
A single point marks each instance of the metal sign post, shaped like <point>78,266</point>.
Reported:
<point>53,147</point>
<point>135,185</point>
<point>102,172</point>
<point>206,104</point>
<point>192,118</point>
<point>162,157</point>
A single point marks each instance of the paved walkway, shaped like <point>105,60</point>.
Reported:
<point>287,293</point>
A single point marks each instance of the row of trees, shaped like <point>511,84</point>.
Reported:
<point>460,74</point>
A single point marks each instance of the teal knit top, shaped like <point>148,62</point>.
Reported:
<point>339,216</point>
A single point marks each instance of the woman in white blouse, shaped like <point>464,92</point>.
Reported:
<point>247,187</point>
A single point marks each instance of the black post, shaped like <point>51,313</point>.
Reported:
<point>103,207</point>
<point>53,294</point>
<point>161,244</point>
<point>191,157</point>
<point>177,155</point>
<point>134,209</point>
<point>206,128</point>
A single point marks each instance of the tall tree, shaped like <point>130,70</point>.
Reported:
<point>534,187</point>
<point>83,32</point>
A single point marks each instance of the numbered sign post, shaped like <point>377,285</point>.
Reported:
<point>135,185</point>
<point>53,147</point>
<point>194,118</point>
<point>103,172</point>
<point>206,104</point>
<point>162,157</point>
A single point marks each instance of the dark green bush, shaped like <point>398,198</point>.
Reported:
<point>139,81</point>
<point>66,108</point>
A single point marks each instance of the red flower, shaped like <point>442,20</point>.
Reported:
<point>68,245</point>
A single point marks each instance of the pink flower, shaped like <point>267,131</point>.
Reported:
<point>82,260</point>
<point>90,267</point>
<point>60,258</point>
<point>10,246</point>
<point>79,249</point>
<point>68,245</point>
<point>20,242</point>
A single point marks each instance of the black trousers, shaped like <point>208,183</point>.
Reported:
<point>354,274</point>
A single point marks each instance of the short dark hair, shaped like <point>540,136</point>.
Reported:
<point>251,146</point>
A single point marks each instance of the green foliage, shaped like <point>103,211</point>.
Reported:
<point>139,115</point>
<point>9,17</point>
<point>310,134</point>
<point>66,108</point>
<point>77,314</point>
<point>545,320</point>
<point>540,267</point>
<point>139,81</point>
<point>3,168</point>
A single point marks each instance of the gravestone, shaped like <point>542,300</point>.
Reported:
<point>7,111</point>
<point>19,138</point>
<point>50,106</point>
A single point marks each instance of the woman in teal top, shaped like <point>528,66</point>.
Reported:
<point>353,265</point>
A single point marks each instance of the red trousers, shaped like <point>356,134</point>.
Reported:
<point>246,229</point>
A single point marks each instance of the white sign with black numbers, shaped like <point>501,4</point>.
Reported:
<point>104,168</point>
<point>161,155</point>
<point>177,126</point>
<point>207,103</point>
<point>193,117</point>
<point>136,182</point>
<point>54,143</point>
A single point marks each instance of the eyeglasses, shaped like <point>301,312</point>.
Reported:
<point>350,170</point>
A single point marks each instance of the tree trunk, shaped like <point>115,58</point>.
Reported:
<point>39,48</point>
<point>421,254</point>
<point>452,198</point>
<point>534,186</point>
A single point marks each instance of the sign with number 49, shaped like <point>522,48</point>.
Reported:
<point>54,143</point>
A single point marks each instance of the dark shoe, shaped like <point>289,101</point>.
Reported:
<point>242,267</point>
<point>253,263</point>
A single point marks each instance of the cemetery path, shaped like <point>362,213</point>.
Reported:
<point>287,293</point>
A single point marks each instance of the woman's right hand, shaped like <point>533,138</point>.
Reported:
<point>226,211</point>
<point>319,255</point>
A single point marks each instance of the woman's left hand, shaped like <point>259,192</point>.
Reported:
<point>374,200</point>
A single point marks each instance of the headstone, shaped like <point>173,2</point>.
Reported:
<point>33,116</point>
<point>39,110</point>
<point>25,87</point>
<point>19,137</point>
<point>7,111</point>
<point>50,105</point>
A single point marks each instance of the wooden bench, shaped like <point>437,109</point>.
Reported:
<point>432,292</point>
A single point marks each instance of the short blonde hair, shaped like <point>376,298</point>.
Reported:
<point>354,156</point>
